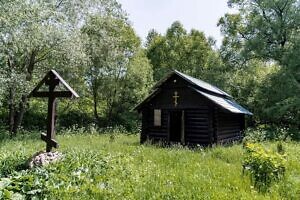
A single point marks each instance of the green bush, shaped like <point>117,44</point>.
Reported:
<point>71,117</point>
<point>264,166</point>
<point>266,132</point>
<point>14,162</point>
<point>77,169</point>
<point>3,134</point>
<point>23,185</point>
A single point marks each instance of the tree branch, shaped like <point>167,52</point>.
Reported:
<point>59,3</point>
<point>42,57</point>
<point>31,64</point>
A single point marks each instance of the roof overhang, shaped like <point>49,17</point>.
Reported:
<point>226,103</point>
<point>207,90</point>
<point>147,99</point>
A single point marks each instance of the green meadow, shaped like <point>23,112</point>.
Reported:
<point>102,166</point>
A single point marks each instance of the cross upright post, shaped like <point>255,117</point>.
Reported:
<point>52,79</point>
<point>52,82</point>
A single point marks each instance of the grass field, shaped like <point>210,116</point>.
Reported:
<point>105,167</point>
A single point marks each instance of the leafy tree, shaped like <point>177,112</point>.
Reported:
<point>278,99</point>
<point>266,32</point>
<point>191,53</point>
<point>136,85</point>
<point>36,36</point>
<point>245,85</point>
<point>118,74</point>
<point>262,29</point>
<point>152,34</point>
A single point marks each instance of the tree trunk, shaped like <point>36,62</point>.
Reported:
<point>97,119</point>
<point>18,118</point>
<point>11,108</point>
<point>111,107</point>
<point>112,101</point>
<point>95,99</point>
<point>11,100</point>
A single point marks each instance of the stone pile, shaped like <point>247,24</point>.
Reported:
<point>44,158</point>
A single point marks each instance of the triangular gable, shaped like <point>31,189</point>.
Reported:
<point>194,81</point>
<point>71,92</point>
<point>201,85</point>
<point>207,90</point>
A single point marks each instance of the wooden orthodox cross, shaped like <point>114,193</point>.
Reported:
<point>175,98</point>
<point>52,79</point>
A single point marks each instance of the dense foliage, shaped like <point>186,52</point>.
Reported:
<point>264,166</point>
<point>190,53</point>
<point>99,167</point>
<point>264,35</point>
<point>92,44</point>
<point>36,36</point>
<point>119,74</point>
<point>94,47</point>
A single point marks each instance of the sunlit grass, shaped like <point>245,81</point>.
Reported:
<point>105,167</point>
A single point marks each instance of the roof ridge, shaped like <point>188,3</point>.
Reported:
<point>202,84</point>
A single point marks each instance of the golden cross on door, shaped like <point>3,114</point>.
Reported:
<point>175,98</point>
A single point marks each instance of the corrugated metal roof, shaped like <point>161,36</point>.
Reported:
<point>202,84</point>
<point>209,91</point>
<point>226,103</point>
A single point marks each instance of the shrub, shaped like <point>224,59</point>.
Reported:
<point>14,162</point>
<point>3,134</point>
<point>23,185</point>
<point>264,166</point>
<point>255,135</point>
<point>71,117</point>
<point>271,132</point>
<point>76,170</point>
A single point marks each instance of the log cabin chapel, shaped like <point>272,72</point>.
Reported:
<point>186,110</point>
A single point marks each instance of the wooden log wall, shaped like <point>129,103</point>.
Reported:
<point>229,127</point>
<point>197,129</point>
<point>145,116</point>
<point>156,133</point>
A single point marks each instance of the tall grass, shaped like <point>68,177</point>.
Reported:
<point>99,167</point>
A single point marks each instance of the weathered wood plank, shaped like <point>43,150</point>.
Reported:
<point>52,141</point>
<point>54,93</point>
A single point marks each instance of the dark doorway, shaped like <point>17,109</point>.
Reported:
<point>175,126</point>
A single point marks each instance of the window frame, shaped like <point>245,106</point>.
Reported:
<point>157,117</point>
